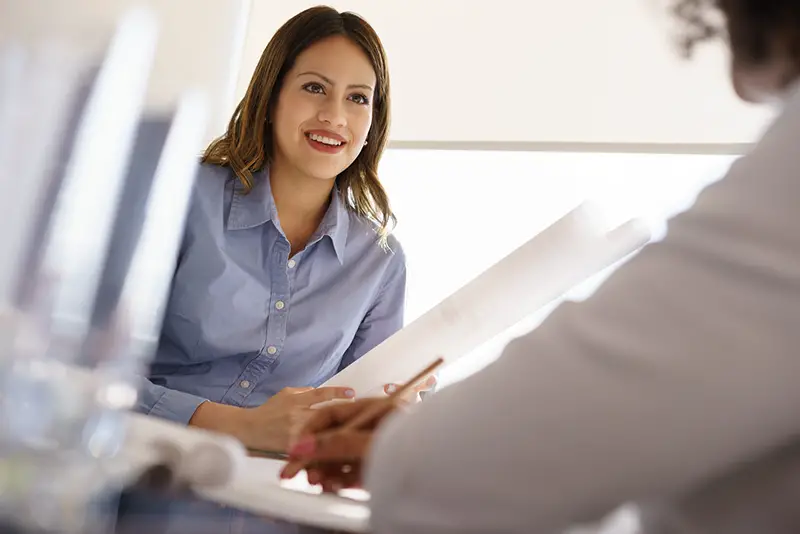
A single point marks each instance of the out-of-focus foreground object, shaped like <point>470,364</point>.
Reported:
<point>95,193</point>
<point>199,45</point>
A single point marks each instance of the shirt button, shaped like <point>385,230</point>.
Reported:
<point>245,384</point>
<point>272,349</point>
<point>279,305</point>
<point>292,263</point>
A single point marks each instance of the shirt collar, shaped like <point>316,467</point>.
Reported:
<point>335,224</point>
<point>258,207</point>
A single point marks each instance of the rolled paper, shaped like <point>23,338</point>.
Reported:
<point>554,261</point>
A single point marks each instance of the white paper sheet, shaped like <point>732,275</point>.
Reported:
<point>566,253</point>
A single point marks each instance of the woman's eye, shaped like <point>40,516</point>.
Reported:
<point>360,99</point>
<point>314,88</point>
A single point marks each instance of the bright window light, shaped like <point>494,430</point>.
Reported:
<point>459,212</point>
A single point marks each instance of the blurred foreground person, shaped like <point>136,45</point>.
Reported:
<point>675,386</point>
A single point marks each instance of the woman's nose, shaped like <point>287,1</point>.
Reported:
<point>332,112</point>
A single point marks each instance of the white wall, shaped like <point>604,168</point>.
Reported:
<point>460,227</point>
<point>571,71</point>
<point>200,42</point>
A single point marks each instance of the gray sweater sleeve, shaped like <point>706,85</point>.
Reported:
<point>683,364</point>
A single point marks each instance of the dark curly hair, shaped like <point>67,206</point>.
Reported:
<point>754,29</point>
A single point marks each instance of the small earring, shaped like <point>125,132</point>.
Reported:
<point>365,143</point>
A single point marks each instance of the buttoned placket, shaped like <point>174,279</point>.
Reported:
<point>280,269</point>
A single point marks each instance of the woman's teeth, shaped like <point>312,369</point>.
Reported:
<point>324,140</point>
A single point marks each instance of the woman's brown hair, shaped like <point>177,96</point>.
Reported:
<point>753,28</point>
<point>246,146</point>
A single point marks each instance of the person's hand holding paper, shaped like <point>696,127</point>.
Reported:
<point>334,441</point>
<point>334,454</point>
<point>415,395</point>
<point>271,426</point>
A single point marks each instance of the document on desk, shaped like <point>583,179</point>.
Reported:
<point>554,261</point>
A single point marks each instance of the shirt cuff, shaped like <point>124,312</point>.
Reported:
<point>176,406</point>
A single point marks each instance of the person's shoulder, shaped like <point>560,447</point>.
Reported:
<point>752,211</point>
<point>368,233</point>
<point>211,180</point>
<point>394,247</point>
<point>780,137</point>
<point>769,170</point>
<point>210,172</point>
<point>208,192</point>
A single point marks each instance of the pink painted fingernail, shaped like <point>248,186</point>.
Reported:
<point>304,447</point>
<point>391,389</point>
<point>349,393</point>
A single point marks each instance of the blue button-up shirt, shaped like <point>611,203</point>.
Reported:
<point>244,320</point>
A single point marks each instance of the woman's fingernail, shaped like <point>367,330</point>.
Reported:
<point>349,393</point>
<point>304,447</point>
<point>391,389</point>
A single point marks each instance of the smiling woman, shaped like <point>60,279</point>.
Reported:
<point>318,81</point>
<point>329,113</point>
<point>288,272</point>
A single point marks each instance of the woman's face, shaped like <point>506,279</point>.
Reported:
<point>324,109</point>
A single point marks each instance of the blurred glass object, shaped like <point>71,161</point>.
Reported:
<point>37,86</point>
<point>79,318</point>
